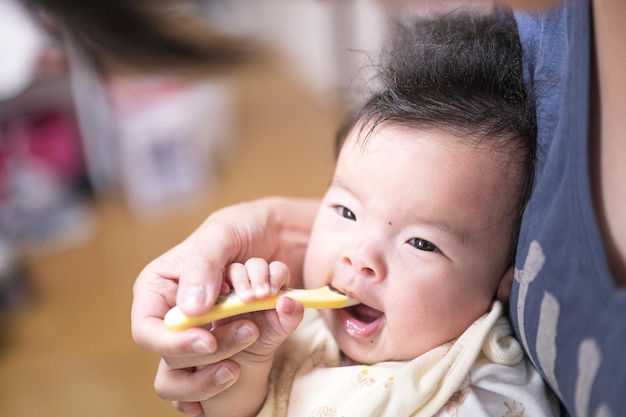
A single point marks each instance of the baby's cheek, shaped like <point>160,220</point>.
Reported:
<point>316,272</point>
<point>307,279</point>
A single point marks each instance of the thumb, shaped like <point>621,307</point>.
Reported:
<point>290,313</point>
<point>198,289</point>
<point>202,274</point>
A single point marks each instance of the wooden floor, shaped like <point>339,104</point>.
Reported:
<point>68,351</point>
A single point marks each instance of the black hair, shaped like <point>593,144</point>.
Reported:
<point>459,72</point>
<point>146,35</point>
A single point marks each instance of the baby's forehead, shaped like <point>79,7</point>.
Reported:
<point>451,137</point>
<point>496,158</point>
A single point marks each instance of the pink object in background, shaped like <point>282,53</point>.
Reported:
<point>49,140</point>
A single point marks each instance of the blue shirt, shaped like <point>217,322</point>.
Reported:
<point>565,307</point>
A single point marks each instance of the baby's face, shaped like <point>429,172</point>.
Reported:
<point>417,226</point>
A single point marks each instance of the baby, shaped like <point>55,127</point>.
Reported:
<point>418,224</point>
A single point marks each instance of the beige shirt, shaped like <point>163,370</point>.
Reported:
<point>482,373</point>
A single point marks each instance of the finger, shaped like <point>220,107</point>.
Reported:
<point>153,336</point>
<point>279,276</point>
<point>211,249</point>
<point>232,337</point>
<point>191,385</point>
<point>290,313</point>
<point>277,326</point>
<point>258,273</point>
<point>154,292</point>
<point>237,274</point>
<point>192,408</point>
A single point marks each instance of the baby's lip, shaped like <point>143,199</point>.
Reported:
<point>360,320</point>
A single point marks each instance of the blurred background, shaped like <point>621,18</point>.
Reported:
<point>101,174</point>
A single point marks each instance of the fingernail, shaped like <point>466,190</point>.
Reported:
<point>244,335</point>
<point>200,347</point>
<point>262,290</point>
<point>193,296</point>
<point>246,295</point>
<point>223,376</point>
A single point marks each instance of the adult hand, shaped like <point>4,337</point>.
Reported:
<point>186,386</point>
<point>190,275</point>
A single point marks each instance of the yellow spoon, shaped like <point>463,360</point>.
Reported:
<point>230,305</point>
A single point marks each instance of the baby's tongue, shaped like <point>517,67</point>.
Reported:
<point>365,314</point>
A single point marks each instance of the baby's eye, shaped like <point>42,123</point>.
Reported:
<point>422,244</point>
<point>346,213</point>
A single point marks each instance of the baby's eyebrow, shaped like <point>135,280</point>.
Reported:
<point>461,235</point>
<point>338,183</point>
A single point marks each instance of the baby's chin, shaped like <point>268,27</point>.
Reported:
<point>356,360</point>
<point>349,358</point>
<point>377,350</point>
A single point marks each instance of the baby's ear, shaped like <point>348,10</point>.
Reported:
<point>504,288</point>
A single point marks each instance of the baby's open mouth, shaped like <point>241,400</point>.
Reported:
<point>360,320</point>
<point>364,314</point>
